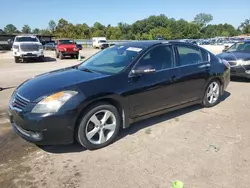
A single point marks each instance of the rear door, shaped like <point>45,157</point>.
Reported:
<point>194,66</point>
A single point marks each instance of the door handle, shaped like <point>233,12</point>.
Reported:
<point>206,65</point>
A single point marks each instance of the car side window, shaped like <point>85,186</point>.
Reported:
<point>159,58</point>
<point>204,56</point>
<point>188,55</point>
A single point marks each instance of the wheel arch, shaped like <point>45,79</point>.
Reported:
<point>113,99</point>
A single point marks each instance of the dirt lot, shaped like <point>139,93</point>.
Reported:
<point>151,153</point>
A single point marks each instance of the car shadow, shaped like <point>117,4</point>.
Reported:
<point>45,60</point>
<point>57,149</point>
<point>225,96</point>
<point>68,57</point>
<point>134,128</point>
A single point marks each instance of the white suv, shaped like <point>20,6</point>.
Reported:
<point>27,46</point>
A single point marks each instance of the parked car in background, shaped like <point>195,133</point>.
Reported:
<point>123,84</point>
<point>50,46</point>
<point>66,47</point>
<point>238,56</point>
<point>27,46</point>
<point>100,42</point>
<point>79,46</point>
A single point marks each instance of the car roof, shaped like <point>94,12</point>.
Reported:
<point>149,43</point>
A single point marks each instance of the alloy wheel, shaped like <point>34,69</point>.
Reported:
<point>100,127</point>
<point>213,92</point>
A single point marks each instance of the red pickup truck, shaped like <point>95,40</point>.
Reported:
<point>66,47</point>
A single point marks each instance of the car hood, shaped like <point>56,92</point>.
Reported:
<point>55,81</point>
<point>234,56</point>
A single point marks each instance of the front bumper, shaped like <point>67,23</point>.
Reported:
<point>240,71</point>
<point>50,129</point>
<point>65,53</point>
<point>31,54</point>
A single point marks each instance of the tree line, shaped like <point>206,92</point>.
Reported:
<point>146,29</point>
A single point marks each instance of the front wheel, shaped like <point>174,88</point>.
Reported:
<point>212,94</point>
<point>17,60</point>
<point>99,126</point>
<point>60,55</point>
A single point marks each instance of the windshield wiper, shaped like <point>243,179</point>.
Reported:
<point>86,70</point>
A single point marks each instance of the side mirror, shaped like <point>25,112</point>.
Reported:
<point>141,72</point>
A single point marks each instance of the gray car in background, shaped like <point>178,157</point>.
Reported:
<point>50,46</point>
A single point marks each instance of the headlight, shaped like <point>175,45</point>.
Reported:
<point>53,103</point>
<point>75,49</point>
<point>40,47</point>
<point>240,62</point>
<point>16,47</point>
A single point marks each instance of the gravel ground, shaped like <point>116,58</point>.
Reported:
<point>204,148</point>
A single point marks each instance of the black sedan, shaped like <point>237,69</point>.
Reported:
<point>238,56</point>
<point>120,85</point>
<point>79,46</point>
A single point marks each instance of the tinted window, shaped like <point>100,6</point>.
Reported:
<point>158,58</point>
<point>241,46</point>
<point>26,39</point>
<point>188,55</point>
<point>66,42</point>
<point>204,56</point>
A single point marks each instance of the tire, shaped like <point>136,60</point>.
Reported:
<point>57,54</point>
<point>97,112</point>
<point>60,55</point>
<point>17,60</point>
<point>212,94</point>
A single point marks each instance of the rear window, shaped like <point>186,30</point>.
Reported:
<point>188,55</point>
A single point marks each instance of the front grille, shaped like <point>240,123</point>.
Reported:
<point>29,47</point>
<point>232,63</point>
<point>19,102</point>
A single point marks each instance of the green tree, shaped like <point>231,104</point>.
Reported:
<point>245,26</point>
<point>203,19</point>
<point>36,31</point>
<point>52,25</point>
<point>10,29</point>
<point>26,29</point>
<point>1,31</point>
<point>160,31</point>
<point>44,32</point>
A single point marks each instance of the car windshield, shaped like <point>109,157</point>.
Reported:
<point>240,46</point>
<point>111,60</point>
<point>26,39</point>
<point>102,41</point>
<point>66,42</point>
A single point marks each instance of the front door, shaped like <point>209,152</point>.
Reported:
<point>149,92</point>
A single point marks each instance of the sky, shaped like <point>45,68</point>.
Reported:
<point>37,13</point>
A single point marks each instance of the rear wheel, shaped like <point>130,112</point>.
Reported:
<point>99,126</point>
<point>212,94</point>
<point>17,60</point>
